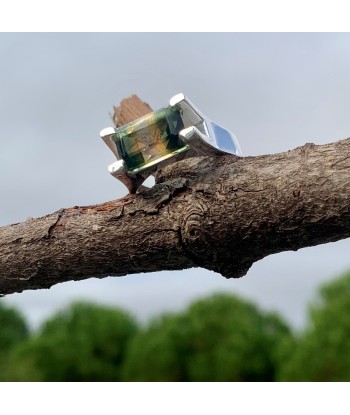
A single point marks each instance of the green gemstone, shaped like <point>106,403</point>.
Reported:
<point>150,139</point>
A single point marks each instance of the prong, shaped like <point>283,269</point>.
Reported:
<point>181,101</point>
<point>117,168</point>
<point>199,142</point>
<point>190,115</point>
<point>176,99</point>
<point>131,181</point>
<point>186,134</point>
<point>107,134</point>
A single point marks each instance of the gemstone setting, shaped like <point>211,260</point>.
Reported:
<point>150,139</point>
<point>145,145</point>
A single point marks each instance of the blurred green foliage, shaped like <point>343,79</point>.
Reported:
<point>220,338</point>
<point>13,329</point>
<point>322,352</point>
<point>86,342</point>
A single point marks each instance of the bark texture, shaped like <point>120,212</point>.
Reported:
<point>220,213</point>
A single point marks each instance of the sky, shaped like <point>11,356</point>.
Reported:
<point>57,91</point>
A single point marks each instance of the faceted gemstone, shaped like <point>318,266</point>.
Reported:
<point>150,139</point>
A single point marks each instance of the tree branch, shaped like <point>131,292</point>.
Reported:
<point>220,213</point>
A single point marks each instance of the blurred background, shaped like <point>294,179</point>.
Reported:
<point>274,91</point>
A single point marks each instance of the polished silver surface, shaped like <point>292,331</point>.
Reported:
<point>208,134</point>
<point>106,135</point>
<point>198,142</point>
<point>203,136</point>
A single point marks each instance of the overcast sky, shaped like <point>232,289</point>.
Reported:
<point>274,91</point>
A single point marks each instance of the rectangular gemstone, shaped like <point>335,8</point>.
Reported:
<point>150,139</point>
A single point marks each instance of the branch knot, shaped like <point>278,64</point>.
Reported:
<point>194,234</point>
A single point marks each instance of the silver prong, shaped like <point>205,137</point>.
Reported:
<point>107,134</point>
<point>176,99</point>
<point>181,101</point>
<point>117,168</point>
<point>131,181</point>
<point>186,134</point>
<point>198,142</point>
<point>190,115</point>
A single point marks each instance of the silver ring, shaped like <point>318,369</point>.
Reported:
<point>164,137</point>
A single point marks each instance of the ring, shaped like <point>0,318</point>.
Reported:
<point>164,137</point>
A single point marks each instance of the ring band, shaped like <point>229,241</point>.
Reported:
<point>164,137</point>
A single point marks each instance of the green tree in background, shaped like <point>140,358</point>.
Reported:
<point>222,338</point>
<point>323,350</point>
<point>85,342</point>
<point>13,329</point>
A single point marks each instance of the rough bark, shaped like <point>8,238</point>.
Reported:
<point>220,213</point>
